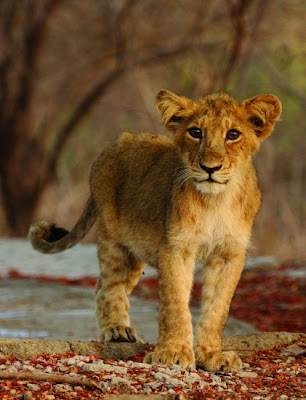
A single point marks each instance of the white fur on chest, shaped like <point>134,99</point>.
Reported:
<point>217,224</point>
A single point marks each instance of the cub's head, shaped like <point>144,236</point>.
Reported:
<point>216,135</point>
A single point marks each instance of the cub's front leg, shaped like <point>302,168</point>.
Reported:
<point>220,277</point>
<point>175,344</point>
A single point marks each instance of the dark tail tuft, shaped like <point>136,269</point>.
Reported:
<point>49,238</point>
<point>56,233</point>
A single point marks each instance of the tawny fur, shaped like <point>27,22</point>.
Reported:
<point>156,202</point>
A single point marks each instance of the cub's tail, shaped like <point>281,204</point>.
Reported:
<point>48,238</point>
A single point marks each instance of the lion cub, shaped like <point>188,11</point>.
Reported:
<point>170,203</point>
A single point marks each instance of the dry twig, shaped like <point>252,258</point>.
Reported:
<point>58,378</point>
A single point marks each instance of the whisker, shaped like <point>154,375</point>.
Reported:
<point>183,177</point>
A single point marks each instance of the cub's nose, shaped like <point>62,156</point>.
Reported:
<point>210,170</point>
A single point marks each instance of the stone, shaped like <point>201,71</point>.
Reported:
<point>99,366</point>
<point>247,374</point>
<point>293,350</point>
<point>33,387</point>
<point>27,368</point>
<point>169,379</point>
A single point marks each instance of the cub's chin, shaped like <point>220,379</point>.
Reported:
<point>210,187</point>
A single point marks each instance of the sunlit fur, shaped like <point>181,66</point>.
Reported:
<point>155,202</point>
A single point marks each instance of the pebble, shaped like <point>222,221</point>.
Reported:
<point>27,368</point>
<point>33,387</point>
<point>169,379</point>
<point>62,387</point>
<point>99,366</point>
<point>293,350</point>
<point>247,374</point>
<point>17,363</point>
<point>201,385</point>
<point>118,381</point>
<point>63,369</point>
<point>141,377</point>
<point>147,389</point>
<point>71,361</point>
<point>153,385</point>
<point>136,364</point>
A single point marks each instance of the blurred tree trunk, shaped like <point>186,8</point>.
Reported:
<point>20,157</point>
<point>26,165</point>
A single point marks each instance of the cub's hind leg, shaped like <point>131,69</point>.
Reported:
<point>120,272</point>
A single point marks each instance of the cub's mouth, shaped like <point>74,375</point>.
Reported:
<point>211,180</point>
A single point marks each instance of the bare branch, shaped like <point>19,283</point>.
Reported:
<point>52,377</point>
<point>8,11</point>
<point>254,32</point>
<point>237,13</point>
<point>15,115</point>
<point>33,40</point>
<point>281,82</point>
<point>244,35</point>
<point>76,117</point>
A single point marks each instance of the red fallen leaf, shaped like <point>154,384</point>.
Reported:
<point>296,367</point>
<point>15,274</point>
<point>82,281</point>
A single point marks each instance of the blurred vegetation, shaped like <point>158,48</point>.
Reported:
<point>75,74</point>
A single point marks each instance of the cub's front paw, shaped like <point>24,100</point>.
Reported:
<point>225,361</point>
<point>119,334</point>
<point>170,353</point>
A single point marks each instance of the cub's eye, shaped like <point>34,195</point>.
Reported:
<point>233,134</point>
<point>195,132</point>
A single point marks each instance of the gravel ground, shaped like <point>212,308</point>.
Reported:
<point>276,374</point>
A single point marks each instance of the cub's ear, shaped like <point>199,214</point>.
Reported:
<point>262,113</point>
<point>173,109</point>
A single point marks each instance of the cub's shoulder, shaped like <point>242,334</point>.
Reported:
<point>144,139</point>
<point>134,154</point>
